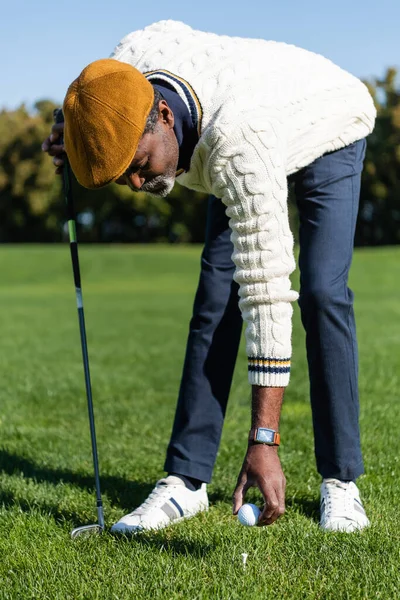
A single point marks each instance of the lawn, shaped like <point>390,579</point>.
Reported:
<point>138,302</point>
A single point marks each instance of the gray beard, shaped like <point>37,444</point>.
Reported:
<point>160,186</point>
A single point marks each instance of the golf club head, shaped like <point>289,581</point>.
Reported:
<point>86,530</point>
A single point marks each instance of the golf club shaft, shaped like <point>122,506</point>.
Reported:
<point>82,328</point>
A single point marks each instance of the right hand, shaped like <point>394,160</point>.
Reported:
<point>262,468</point>
<point>54,148</point>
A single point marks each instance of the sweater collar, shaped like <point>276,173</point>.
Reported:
<point>187,112</point>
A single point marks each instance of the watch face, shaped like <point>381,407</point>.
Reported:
<point>265,436</point>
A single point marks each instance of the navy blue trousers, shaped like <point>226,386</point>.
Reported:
<point>327,195</point>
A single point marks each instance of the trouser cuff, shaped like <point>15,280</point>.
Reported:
<point>347,473</point>
<point>189,469</point>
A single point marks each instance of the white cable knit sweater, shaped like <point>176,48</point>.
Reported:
<point>264,110</point>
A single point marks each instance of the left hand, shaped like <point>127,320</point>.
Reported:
<point>262,468</point>
<point>54,148</point>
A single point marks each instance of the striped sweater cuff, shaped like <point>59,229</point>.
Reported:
<point>269,372</point>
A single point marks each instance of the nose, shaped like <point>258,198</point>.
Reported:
<point>133,180</point>
<point>136,180</point>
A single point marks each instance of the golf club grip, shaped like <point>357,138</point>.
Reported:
<point>67,191</point>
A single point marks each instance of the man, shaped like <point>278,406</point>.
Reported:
<point>237,118</point>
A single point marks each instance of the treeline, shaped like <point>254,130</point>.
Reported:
<point>32,209</point>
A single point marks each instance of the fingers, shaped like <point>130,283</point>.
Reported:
<point>239,495</point>
<point>51,148</point>
<point>57,129</point>
<point>271,506</point>
<point>56,149</point>
<point>58,162</point>
<point>56,132</point>
<point>261,468</point>
<point>274,496</point>
<point>46,145</point>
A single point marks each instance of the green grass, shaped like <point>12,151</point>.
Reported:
<point>138,302</point>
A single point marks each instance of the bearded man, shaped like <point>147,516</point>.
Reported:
<point>240,119</point>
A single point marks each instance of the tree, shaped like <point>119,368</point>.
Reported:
<point>27,184</point>
<point>379,216</point>
<point>32,208</point>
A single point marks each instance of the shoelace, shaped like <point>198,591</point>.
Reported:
<point>156,497</point>
<point>337,498</point>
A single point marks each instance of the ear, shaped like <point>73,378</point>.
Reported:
<point>165,114</point>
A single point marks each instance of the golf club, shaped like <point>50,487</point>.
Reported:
<point>67,190</point>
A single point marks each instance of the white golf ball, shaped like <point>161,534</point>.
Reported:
<point>249,514</point>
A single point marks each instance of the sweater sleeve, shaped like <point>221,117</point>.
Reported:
<point>252,182</point>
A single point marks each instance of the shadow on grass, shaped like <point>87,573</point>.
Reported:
<point>121,492</point>
<point>8,500</point>
<point>170,542</point>
<point>125,494</point>
<point>308,507</point>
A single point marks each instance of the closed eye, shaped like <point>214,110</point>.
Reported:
<point>144,167</point>
<point>137,168</point>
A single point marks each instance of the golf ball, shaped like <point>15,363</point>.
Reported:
<point>249,514</point>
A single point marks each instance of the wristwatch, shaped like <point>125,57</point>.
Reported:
<point>263,435</point>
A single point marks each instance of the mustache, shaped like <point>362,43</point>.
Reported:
<point>159,186</point>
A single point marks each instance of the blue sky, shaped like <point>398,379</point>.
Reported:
<point>44,45</point>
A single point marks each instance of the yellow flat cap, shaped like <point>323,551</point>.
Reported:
<point>105,111</point>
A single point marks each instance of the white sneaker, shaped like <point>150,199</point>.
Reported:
<point>170,502</point>
<point>341,507</point>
